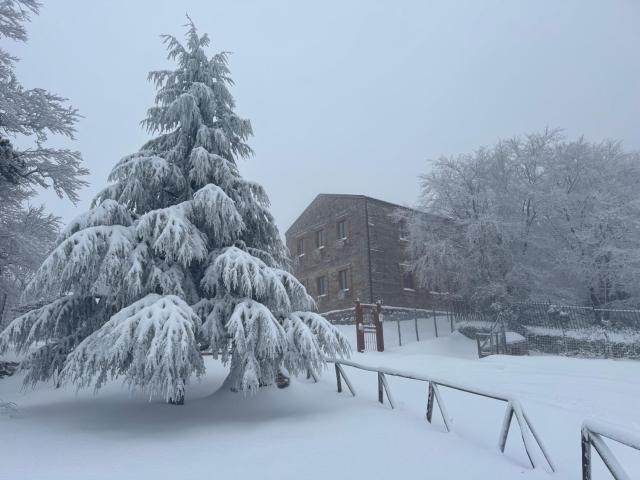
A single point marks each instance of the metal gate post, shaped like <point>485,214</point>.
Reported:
<point>359,327</point>
<point>377,318</point>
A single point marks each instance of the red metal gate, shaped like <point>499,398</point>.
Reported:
<point>369,333</point>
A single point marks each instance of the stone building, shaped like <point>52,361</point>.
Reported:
<point>349,247</point>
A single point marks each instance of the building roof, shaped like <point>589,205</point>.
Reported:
<point>348,196</point>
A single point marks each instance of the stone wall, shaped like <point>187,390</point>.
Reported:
<point>389,258</point>
<point>373,254</point>
<point>324,213</point>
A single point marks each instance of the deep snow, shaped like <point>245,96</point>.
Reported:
<point>309,431</point>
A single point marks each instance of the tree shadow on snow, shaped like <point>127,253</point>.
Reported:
<point>115,411</point>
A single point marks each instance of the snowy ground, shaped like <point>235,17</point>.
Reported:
<point>309,431</point>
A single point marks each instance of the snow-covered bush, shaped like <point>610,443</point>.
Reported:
<point>178,254</point>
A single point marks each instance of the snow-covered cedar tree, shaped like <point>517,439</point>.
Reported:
<point>30,116</point>
<point>178,254</point>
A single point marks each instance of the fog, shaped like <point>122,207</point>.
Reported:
<point>348,97</point>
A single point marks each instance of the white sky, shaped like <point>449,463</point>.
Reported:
<point>348,97</point>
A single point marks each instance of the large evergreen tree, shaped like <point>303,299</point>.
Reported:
<point>179,253</point>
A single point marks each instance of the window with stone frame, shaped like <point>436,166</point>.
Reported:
<point>408,282</point>
<point>320,238</point>
<point>343,279</point>
<point>403,230</point>
<point>321,286</point>
<point>341,229</point>
<point>300,247</point>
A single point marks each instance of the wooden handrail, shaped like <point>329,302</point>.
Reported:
<point>513,405</point>
<point>591,436</point>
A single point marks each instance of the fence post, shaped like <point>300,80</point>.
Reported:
<point>415,320</point>
<point>430,396</point>
<point>599,322</point>
<point>434,397</point>
<point>435,321</point>
<point>3,303</point>
<point>399,332</point>
<point>450,315</point>
<point>586,454</point>
<point>504,431</point>
<point>359,327</point>
<point>377,318</point>
<point>340,373</point>
<point>382,382</point>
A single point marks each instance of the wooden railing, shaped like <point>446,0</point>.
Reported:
<point>592,433</point>
<point>514,408</point>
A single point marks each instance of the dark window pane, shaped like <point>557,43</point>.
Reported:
<point>403,230</point>
<point>407,279</point>
<point>321,285</point>
<point>342,229</point>
<point>343,279</point>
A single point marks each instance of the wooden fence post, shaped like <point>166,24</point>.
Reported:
<point>435,322</point>
<point>434,397</point>
<point>340,373</point>
<point>586,455</point>
<point>383,384</point>
<point>415,319</point>
<point>377,319</point>
<point>399,332</point>
<point>359,327</point>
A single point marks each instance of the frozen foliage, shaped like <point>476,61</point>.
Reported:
<point>310,339</point>
<point>29,116</point>
<point>259,344</point>
<point>151,343</point>
<point>539,218</point>
<point>178,255</point>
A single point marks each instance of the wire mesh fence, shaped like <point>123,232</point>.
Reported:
<point>571,330</point>
<point>402,325</point>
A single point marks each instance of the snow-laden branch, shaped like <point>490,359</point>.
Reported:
<point>259,345</point>
<point>151,343</point>
<point>235,271</point>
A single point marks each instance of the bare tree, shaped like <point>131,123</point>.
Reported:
<point>30,115</point>
<point>537,217</point>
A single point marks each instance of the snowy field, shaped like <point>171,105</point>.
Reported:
<point>309,431</point>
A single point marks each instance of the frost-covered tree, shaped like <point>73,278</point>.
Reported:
<point>178,253</point>
<point>537,217</point>
<point>30,116</point>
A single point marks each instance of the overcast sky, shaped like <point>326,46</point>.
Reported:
<point>348,96</point>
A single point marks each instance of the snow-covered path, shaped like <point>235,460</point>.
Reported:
<point>310,431</point>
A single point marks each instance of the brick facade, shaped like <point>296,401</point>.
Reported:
<point>371,257</point>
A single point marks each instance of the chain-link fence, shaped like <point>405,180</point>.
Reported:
<point>560,329</point>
